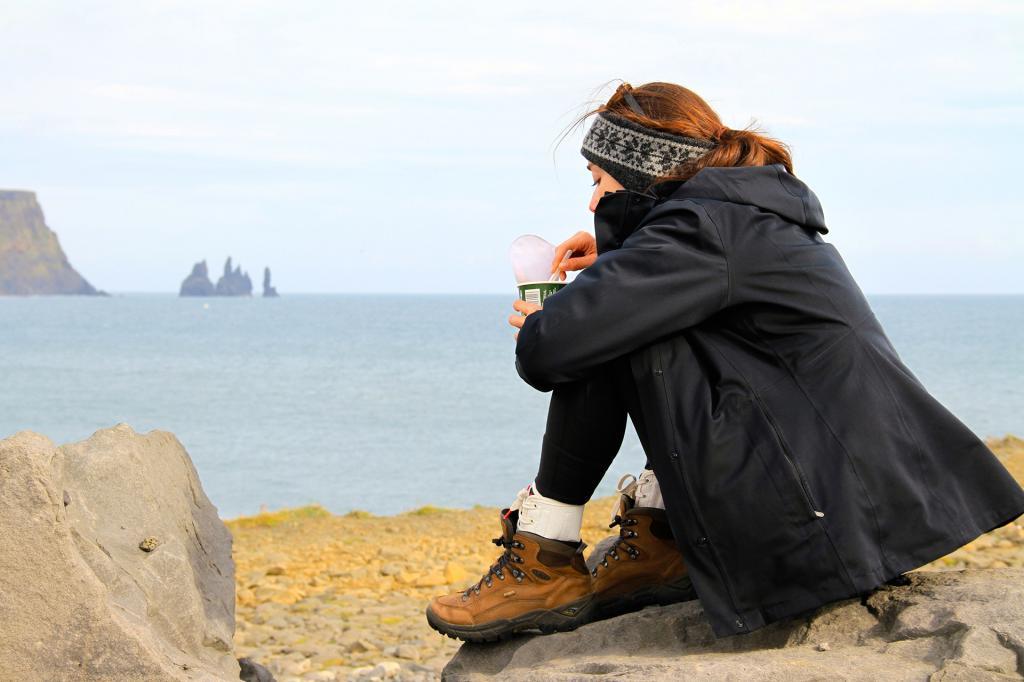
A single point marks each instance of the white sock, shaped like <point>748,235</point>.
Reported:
<point>547,517</point>
<point>648,492</point>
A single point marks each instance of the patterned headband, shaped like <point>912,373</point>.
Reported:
<point>636,155</point>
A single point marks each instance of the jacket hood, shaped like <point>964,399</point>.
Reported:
<point>771,188</point>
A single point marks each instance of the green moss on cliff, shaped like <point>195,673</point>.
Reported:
<point>31,260</point>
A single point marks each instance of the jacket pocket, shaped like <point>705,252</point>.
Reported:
<point>790,465</point>
<point>755,511</point>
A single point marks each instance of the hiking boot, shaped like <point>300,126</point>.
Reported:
<point>640,567</point>
<point>536,583</point>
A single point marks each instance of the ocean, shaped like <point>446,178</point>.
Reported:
<point>384,403</point>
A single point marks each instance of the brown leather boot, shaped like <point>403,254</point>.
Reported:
<point>640,567</point>
<point>536,583</point>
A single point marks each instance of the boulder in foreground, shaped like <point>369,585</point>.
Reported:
<point>113,562</point>
<point>942,625</point>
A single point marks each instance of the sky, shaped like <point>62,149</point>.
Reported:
<point>401,147</point>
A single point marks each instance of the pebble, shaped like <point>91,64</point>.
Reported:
<point>149,544</point>
<point>361,645</point>
<point>408,651</point>
<point>454,573</point>
<point>388,669</point>
<point>321,676</point>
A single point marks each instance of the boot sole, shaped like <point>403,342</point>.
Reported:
<point>678,590</point>
<point>564,618</point>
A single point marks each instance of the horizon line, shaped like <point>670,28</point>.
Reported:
<point>445,293</point>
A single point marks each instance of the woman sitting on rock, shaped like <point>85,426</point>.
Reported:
<point>793,459</point>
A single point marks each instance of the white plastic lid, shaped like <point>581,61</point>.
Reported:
<point>531,258</point>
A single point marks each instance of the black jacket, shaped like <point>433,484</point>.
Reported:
<point>800,460</point>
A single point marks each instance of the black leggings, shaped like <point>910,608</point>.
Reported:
<point>585,426</point>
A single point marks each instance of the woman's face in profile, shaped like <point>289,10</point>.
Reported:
<point>602,183</point>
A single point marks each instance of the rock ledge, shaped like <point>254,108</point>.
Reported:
<point>940,625</point>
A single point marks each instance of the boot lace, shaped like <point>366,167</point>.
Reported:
<point>621,521</point>
<point>620,542</point>
<point>503,564</point>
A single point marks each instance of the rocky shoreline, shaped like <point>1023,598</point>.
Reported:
<point>337,597</point>
<point>115,563</point>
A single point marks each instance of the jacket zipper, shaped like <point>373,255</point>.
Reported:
<point>726,581</point>
<point>804,488</point>
<point>794,467</point>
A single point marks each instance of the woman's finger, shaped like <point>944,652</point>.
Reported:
<point>579,262</point>
<point>578,243</point>
<point>560,253</point>
<point>524,307</point>
<point>582,245</point>
<point>516,320</point>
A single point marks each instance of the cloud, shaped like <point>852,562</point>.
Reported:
<point>268,115</point>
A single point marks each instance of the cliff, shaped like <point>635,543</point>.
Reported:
<point>31,259</point>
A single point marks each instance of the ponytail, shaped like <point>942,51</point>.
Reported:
<point>743,147</point>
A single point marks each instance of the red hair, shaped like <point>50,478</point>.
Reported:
<point>674,109</point>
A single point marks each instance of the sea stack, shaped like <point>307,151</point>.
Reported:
<point>234,282</point>
<point>31,259</point>
<point>198,283</point>
<point>269,291</point>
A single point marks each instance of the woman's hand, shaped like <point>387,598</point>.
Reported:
<point>524,308</point>
<point>584,249</point>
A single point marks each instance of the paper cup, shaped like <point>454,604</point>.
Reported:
<point>537,292</point>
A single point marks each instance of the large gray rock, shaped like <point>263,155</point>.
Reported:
<point>949,625</point>
<point>113,562</point>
